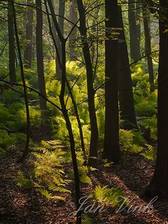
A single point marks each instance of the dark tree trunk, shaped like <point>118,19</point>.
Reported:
<point>69,88</point>
<point>126,99</point>
<point>64,109</point>
<point>78,121</point>
<point>26,149</point>
<point>11,35</point>
<point>29,37</point>
<point>159,183</point>
<point>40,63</point>
<point>135,53</point>
<point>138,13</point>
<point>70,131</point>
<point>95,39</point>
<point>148,51</point>
<point>73,36</point>
<point>89,73</point>
<point>61,26</point>
<point>111,137</point>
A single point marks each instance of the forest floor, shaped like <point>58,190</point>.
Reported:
<point>26,206</point>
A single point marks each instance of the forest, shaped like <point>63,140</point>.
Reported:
<point>83,111</point>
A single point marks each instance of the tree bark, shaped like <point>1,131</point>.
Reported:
<point>90,77</point>
<point>111,136</point>
<point>40,63</point>
<point>135,53</point>
<point>11,35</point>
<point>73,36</point>
<point>61,26</point>
<point>29,37</point>
<point>126,99</point>
<point>148,51</point>
<point>159,183</point>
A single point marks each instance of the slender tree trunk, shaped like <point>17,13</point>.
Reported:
<point>61,26</point>
<point>138,13</point>
<point>64,109</point>
<point>73,36</point>
<point>78,121</point>
<point>40,63</point>
<point>90,77</point>
<point>135,53</point>
<point>26,149</point>
<point>11,35</point>
<point>159,183</point>
<point>29,36</point>
<point>148,51</point>
<point>126,99</point>
<point>69,89</point>
<point>70,131</point>
<point>95,38</point>
<point>111,136</point>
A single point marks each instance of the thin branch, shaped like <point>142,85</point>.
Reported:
<point>26,151</point>
<point>52,34</point>
<point>57,28</point>
<point>32,89</point>
<point>71,88</point>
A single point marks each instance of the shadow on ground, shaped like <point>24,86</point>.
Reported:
<point>16,205</point>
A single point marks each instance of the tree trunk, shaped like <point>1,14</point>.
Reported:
<point>159,183</point>
<point>61,26</point>
<point>40,64</point>
<point>26,149</point>
<point>90,89</point>
<point>69,88</point>
<point>78,120</point>
<point>64,109</point>
<point>73,36</point>
<point>148,51</point>
<point>70,132</point>
<point>29,37</point>
<point>126,99</point>
<point>135,53</point>
<point>11,35</point>
<point>111,136</point>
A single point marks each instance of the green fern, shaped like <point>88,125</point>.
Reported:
<point>49,176</point>
<point>108,196</point>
